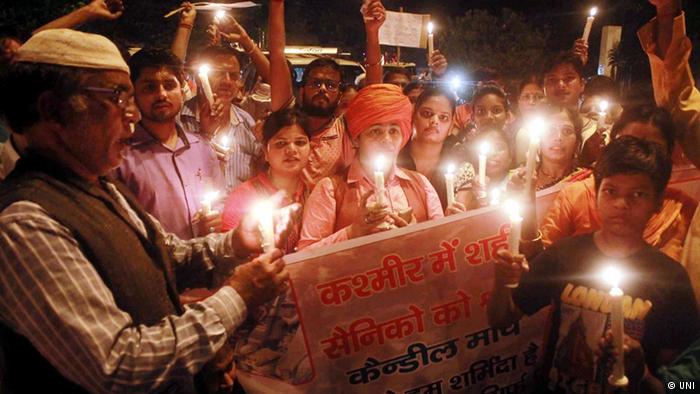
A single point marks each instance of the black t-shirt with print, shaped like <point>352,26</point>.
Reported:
<point>659,307</point>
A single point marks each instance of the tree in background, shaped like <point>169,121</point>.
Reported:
<point>506,42</point>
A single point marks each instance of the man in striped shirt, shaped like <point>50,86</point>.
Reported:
<point>88,280</point>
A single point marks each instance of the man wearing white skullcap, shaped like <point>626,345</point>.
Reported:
<point>88,281</point>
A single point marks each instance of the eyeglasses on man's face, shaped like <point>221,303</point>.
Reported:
<point>316,83</point>
<point>118,95</point>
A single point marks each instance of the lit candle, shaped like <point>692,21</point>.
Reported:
<point>209,197</point>
<point>206,87</point>
<point>603,112</point>
<point>450,184</point>
<point>603,122</point>
<point>535,129</point>
<point>220,14</point>
<point>264,212</point>
<point>431,43</point>
<point>226,143</point>
<point>484,150</point>
<point>516,225</point>
<point>589,24</point>
<point>379,165</point>
<point>496,196</point>
<point>617,323</point>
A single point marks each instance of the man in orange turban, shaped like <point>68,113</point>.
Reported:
<point>379,104</point>
<point>351,204</point>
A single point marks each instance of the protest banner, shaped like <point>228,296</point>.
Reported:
<point>401,312</point>
<point>404,29</point>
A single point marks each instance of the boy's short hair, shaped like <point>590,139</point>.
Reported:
<point>560,58</point>
<point>631,155</point>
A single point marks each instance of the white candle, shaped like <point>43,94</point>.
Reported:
<point>206,87</point>
<point>379,165</point>
<point>484,150</point>
<point>589,24</point>
<point>617,323</point>
<point>450,184</point>
<point>209,197</point>
<point>431,43</point>
<point>264,212</point>
<point>603,112</point>
<point>516,225</point>
<point>535,129</point>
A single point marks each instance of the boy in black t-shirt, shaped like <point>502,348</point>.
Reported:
<point>659,305</point>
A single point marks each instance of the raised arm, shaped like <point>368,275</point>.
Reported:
<point>184,30</point>
<point>230,29</point>
<point>374,16</point>
<point>280,81</point>
<point>96,10</point>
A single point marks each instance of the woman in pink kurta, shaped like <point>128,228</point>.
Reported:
<point>287,152</point>
<point>344,206</point>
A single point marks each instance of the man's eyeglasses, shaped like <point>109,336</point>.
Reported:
<point>117,95</point>
<point>330,84</point>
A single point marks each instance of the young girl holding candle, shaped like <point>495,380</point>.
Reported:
<point>470,192</point>
<point>427,153</point>
<point>286,151</point>
<point>659,306</point>
<point>345,206</point>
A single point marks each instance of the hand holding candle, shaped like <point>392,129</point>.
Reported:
<point>450,184</point>
<point>613,276</point>
<point>589,24</point>
<point>206,87</point>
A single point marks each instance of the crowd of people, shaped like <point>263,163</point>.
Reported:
<point>130,253</point>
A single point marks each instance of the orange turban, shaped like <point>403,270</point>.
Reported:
<point>379,103</point>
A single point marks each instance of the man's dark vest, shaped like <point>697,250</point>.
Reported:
<point>137,269</point>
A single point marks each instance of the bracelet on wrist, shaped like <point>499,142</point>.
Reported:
<point>186,25</point>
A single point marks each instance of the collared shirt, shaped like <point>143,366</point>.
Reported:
<point>8,158</point>
<point>51,294</point>
<point>331,151</point>
<point>245,148</point>
<point>170,183</point>
<point>320,210</point>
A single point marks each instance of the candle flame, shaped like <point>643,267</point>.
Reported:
<point>451,169</point>
<point>604,105</point>
<point>263,209</point>
<point>484,148</point>
<point>379,163</point>
<point>220,14</point>
<point>210,196</point>
<point>430,27</point>
<point>225,141</point>
<point>613,276</point>
<point>513,209</point>
<point>594,11</point>
<point>204,69</point>
<point>536,127</point>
